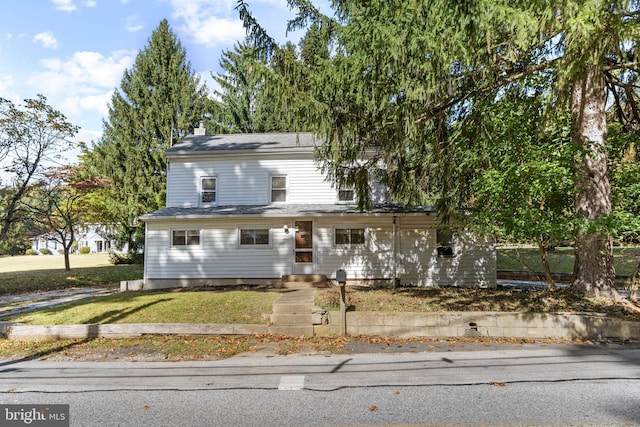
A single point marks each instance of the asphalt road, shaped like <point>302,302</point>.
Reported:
<point>561,386</point>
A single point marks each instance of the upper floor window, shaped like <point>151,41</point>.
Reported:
<point>278,188</point>
<point>349,236</point>
<point>189,237</point>
<point>208,190</point>
<point>346,194</point>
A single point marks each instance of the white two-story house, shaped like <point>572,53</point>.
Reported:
<point>251,208</point>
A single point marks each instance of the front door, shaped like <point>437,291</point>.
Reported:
<point>303,250</point>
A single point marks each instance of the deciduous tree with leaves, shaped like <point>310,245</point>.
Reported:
<point>32,136</point>
<point>56,205</point>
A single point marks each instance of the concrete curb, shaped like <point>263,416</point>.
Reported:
<point>486,324</point>
<point>17,332</point>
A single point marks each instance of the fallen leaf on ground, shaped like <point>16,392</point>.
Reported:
<point>497,384</point>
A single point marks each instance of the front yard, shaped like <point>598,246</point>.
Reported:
<point>459,299</point>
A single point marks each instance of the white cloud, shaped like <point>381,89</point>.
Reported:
<point>64,5</point>
<point>82,83</point>
<point>47,39</point>
<point>7,89</point>
<point>90,3</point>
<point>208,22</point>
<point>134,24</point>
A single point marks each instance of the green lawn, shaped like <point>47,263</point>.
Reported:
<point>179,306</point>
<point>561,259</point>
<point>46,272</point>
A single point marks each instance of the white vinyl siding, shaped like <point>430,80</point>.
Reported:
<point>247,181</point>
<point>220,254</point>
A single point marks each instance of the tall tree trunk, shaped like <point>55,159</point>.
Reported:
<point>544,258</point>
<point>593,272</point>
<point>67,264</point>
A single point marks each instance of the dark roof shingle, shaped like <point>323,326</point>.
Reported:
<point>280,210</point>
<point>244,141</point>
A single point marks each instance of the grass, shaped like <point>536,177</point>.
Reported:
<point>176,306</point>
<point>46,272</point>
<point>460,299</point>
<point>626,259</point>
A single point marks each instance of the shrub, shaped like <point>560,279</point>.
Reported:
<point>45,251</point>
<point>85,250</point>
<point>61,251</point>
<point>120,259</point>
<point>30,252</point>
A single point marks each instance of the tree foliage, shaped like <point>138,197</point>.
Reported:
<point>407,77</point>
<point>31,136</point>
<point>57,207</point>
<point>250,85</point>
<point>160,100</point>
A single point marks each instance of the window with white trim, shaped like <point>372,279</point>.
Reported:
<point>348,236</point>
<point>185,237</point>
<point>255,237</point>
<point>278,188</point>
<point>346,194</point>
<point>444,239</point>
<point>208,190</point>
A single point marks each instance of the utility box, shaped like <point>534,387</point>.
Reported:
<point>341,276</point>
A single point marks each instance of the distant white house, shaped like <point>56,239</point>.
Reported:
<point>92,236</point>
<point>251,208</point>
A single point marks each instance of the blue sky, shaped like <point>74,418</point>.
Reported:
<point>74,52</point>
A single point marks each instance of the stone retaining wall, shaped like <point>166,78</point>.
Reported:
<point>488,324</point>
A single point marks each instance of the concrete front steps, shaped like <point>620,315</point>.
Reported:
<point>294,313</point>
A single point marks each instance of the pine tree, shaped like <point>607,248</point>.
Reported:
<point>160,100</point>
<point>240,83</point>
<point>407,75</point>
<point>248,98</point>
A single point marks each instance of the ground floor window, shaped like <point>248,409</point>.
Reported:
<point>445,243</point>
<point>349,236</point>
<point>252,237</point>
<point>190,237</point>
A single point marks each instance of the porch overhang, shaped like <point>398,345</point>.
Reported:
<point>283,210</point>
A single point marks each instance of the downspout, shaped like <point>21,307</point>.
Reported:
<point>144,260</point>
<point>394,266</point>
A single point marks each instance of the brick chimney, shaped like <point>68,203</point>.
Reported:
<point>200,130</point>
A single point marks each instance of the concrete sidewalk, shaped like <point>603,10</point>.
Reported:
<point>22,303</point>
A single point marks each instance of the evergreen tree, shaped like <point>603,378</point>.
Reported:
<point>407,76</point>
<point>240,83</point>
<point>160,101</point>
<point>248,98</point>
